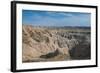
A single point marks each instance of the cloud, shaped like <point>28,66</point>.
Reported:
<point>48,18</point>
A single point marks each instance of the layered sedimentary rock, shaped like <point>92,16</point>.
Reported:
<point>43,44</point>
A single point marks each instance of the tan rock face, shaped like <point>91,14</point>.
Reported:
<point>39,41</point>
<point>43,44</point>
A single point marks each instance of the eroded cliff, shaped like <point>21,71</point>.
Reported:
<point>45,44</point>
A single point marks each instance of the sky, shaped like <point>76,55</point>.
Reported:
<point>52,18</point>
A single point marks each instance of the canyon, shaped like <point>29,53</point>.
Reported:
<point>55,43</point>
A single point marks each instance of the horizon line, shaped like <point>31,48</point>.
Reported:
<point>54,26</point>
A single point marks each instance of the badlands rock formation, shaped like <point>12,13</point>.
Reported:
<point>45,44</point>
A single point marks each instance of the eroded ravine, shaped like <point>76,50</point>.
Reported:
<point>42,44</point>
